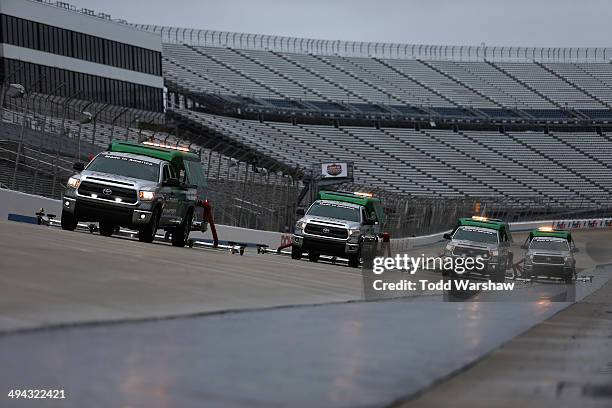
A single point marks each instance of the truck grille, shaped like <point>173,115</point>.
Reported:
<point>548,259</point>
<point>471,252</point>
<point>128,196</point>
<point>326,231</point>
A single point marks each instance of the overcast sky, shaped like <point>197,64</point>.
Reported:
<point>556,23</point>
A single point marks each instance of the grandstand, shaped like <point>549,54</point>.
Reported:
<point>538,127</point>
<point>479,90</point>
<point>442,128</point>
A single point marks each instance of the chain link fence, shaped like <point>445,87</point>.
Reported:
<point>37,151</point>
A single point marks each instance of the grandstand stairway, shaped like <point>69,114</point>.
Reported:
<point>573,84</point>
<point>323,78</point>
<point>307,90</point>
<point>448,172</point>
<point>357,78</point>
<point>512,187</point>
<point>386,175</point>
<point>578,185</point>
<point>236,71</point>
<point>524,84</point>
<point>461,83</point>
<point>578,149</point>
<point>545,189</point>
<point>404,158</point>
<point>385,85</point>
<point>413,79</point>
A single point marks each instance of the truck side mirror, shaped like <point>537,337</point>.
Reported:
<point>574,250</point>
<point>300,212</point>
<point>368,221</point>
<point>447,236</point>
<point>78,166</point>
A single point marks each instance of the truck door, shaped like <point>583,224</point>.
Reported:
<point>365,215</point>
<point>171,194</point>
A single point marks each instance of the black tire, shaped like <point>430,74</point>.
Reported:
<point>353,260</point>
<point>524,273</point>
<point>296,252</point>
<point>569,278</point>
<point>106,228</point>
<point>147,233</point>
<point>313,257</point>
<point>181,234</point>
<point>69,221</point>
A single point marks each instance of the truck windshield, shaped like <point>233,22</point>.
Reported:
<point>549,244</point>
<point>125,166</point>
<point>332,210</point>
<point>476,235</point>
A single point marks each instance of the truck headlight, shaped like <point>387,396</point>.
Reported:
<point>146,195</point>
<point>448,250</point>
<point>300,225</point>
<point>568,260</point>
<point>74,182</point>
<point>354,232</point>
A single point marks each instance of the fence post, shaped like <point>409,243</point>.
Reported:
<point>40,143</point>
<point>244,184</point>
<point>20,145</point>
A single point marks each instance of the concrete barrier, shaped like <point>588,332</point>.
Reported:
<point>405,244</point>
<point>14,202</point>
<point>26,204</point>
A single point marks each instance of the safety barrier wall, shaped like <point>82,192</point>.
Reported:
<point>14,202</point>
<point>27,204</point>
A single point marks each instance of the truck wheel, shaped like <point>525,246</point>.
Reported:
<point>569,278</point>
<point>312,257</point>
<point>296,252</point>
<point>353,260</point>
<point>147,233</point>
<point>106,228</point>
<point>69,221</point>
<point>181,234</point>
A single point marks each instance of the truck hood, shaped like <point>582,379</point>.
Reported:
<point>128,182</point>
<point>470,244</point>
<point>548,253</point>
<point>331,221</point>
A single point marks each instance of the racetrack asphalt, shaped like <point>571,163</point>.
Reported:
<point>278,332</point>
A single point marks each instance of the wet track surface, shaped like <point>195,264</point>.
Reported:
<point>345,355</point>
<point>52,277</point>
<point>331,355</point>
